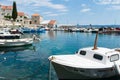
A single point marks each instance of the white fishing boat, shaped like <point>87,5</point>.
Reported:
<point>87,63</point>
<point>8,35</point>
<point>13,40</point>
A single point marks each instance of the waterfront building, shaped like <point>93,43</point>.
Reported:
<point>52,24</point>
<point>49,24</point>
<point>27,22</point>
<point>23,19</point>
<point>45,23</point>
<point>6,10</point>
<point>20,17</point>
<point>36,19</point>
<point>1,12</point>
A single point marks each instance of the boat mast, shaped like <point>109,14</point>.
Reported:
<point>95,42</point>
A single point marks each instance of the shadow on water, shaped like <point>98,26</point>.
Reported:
<point>90,79</point>
<point>52,75</point>
<point>11,60</point>
<point>112,78</point>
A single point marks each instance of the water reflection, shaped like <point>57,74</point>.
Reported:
<point>15,49</point>
<point>31,62</point>
<point>52,34</point>
<point>16,63</point>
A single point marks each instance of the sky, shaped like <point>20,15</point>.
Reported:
<point>83,12</point>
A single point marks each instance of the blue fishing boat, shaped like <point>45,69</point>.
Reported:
<point>25,30</point>
<point>40,30</point>
<point>29,30</point>
<point>33,31</point>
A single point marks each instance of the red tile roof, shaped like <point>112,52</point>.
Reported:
<point>21,14</point>
<point>35,15</point>
<point>52,22</point>
<point>7,7</point>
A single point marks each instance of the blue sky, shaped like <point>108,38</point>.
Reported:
<point>72,11</point>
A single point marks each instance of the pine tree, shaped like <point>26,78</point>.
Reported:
<point>14,11</point>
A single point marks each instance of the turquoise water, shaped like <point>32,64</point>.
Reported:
<point>31,62</point>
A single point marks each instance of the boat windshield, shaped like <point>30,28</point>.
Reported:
<point>114,57</point>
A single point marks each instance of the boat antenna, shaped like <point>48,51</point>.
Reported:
<point>95,42</point>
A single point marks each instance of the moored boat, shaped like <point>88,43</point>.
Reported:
<point>16,42</point>
<point>87,63</point>
<point>8,35</point>
<point>13,40</point>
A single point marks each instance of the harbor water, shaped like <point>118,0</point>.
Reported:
<point>31,62</point>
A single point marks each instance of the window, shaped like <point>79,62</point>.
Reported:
<point>114,57</point>
<point>83,52</point>
<point>35,21</point>
<point>30,22</point>
<point>3,14</point>
<point>97,56</point>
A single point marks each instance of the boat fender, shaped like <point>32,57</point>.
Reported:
<point>117,66</point>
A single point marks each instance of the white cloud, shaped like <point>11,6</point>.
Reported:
<point>112,4</point>
<point>52,14</point>
<point>115,7</point>
<point>63,13</point>
<point>47,13</point>
<point>42,3</point>
<point>85,10</point>
<point>64,10</point>
<point>83,5</point>
<point>105,2</point>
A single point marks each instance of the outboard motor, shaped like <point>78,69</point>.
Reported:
<point>36,38</point>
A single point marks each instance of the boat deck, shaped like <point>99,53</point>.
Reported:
<point>77,61</point>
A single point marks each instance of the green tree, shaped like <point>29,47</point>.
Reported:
<point>8,17</point>
<point>14,11</point>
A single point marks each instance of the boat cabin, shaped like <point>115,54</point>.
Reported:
<point>101,55</point>
<point>8,35</point>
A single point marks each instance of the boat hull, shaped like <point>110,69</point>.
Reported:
<point>15,45</point>
<point>68,73</point>
<point>15,42</point>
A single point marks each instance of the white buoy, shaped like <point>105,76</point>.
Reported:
<point>4,58</point>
